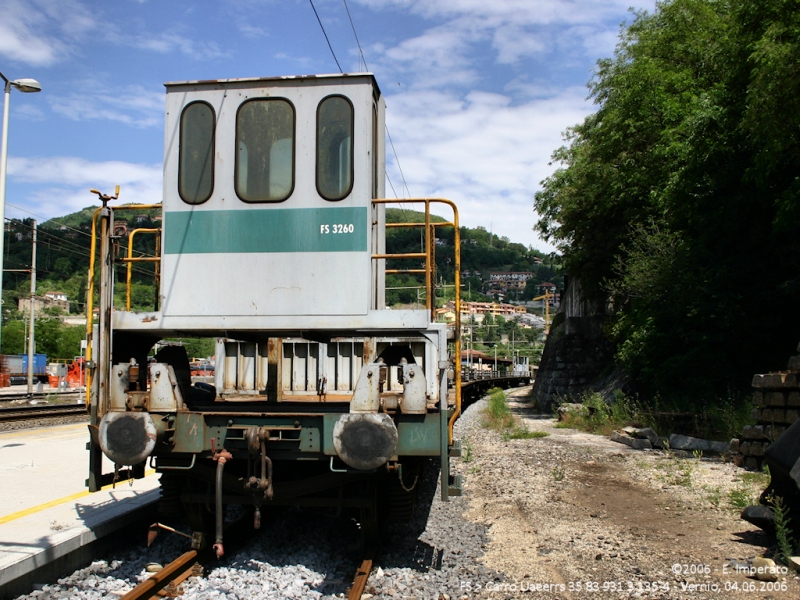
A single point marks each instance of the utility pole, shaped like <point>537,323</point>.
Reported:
<point>31,341</point>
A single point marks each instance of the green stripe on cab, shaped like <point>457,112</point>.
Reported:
<point>336,229</point>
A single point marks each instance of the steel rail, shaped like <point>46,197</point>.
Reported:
<point>20,413</point>
<point>161,579</point>
<point>360,580</point>
<point>36,395</point>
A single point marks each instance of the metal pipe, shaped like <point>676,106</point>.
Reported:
<point>90,307</point>
<point>31,334</point>
<point>221,457</point>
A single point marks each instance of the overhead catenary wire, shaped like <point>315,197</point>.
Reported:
<point>397,160</point>
<point>326,35</point>
<point>364,60</point>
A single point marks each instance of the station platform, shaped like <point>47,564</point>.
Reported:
<point>46,514</point>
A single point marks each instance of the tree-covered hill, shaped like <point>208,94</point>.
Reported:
<point>63,261</point>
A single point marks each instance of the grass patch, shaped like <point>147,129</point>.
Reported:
<point>676,471</point>
<point>754,478</point>
<point>522,433</point>
<point>498,416</point>
<point>595,416</point>
<point>741,497</point>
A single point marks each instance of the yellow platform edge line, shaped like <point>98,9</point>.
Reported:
<point>34,509</point>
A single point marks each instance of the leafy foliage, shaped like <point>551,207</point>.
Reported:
<point>678,199</point>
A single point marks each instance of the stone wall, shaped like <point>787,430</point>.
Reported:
<point>777,405</point>
<point>577,356</point>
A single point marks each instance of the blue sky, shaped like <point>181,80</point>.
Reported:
<point>478,92</point>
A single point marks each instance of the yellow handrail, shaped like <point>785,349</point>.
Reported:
<point>130,260</point>
<point>429,302</point>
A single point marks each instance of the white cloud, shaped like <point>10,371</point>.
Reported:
<point>42,32</point>
<point>484,152</point>
<point>134,106</point>
<point>28,112</point>
<point>168,42</point>
<point>61,184</point>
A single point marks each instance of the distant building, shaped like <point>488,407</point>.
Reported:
<point>510,280</point>
<point>49,300</point>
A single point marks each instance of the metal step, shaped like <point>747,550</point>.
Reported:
<point>454,486</point>
<point>455,450</point>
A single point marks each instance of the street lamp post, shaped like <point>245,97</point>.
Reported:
<point>495,358</point>
<point>23,85</point>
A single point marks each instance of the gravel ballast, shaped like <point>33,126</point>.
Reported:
<point>569,515</point>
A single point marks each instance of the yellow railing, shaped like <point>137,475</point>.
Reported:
<point>429,272</point>
<point>90,290</point>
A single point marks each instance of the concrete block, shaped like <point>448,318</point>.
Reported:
<point>773,432</point>
<point>775,399</point>
<point>793,399</point>
<point>734,446</point>
<point>791,415</point>
<point>757,449</point>
<point>790,380</point>
<point>778,415</point>
<point>636,444</point>
<point>794,363</point>
<point>766,416</point>
<point>685,442</point>
<point>758,381</point>
<point>753,432</point>
<point>773,380</point>
<point>755,414</point>
<point>744,448</point>
<point>758,399</point>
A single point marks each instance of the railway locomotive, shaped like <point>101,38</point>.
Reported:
<point>273,242</point>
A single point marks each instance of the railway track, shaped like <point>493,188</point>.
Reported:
<point>166,582</point>
<point>37,395</point>
<point>43,411</point>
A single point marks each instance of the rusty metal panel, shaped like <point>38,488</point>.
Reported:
<point>189,433</point>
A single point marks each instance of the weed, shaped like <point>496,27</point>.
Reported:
<point>741,497</point>
<point>785,542</point>
<point>698,454</point>
<point>466,454</point>
<point>754,478</point>
<point>714,495</point>
<point>522,433</point>
<point>474,469</point>
<point>596,416</point>
<point>558,473</point>
<point>497,415</point>
<point>677,472</point>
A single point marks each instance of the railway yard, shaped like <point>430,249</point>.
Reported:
<point>567,515</point>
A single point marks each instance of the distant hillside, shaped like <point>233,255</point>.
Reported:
<point>63,255</point>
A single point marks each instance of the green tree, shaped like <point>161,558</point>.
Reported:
<point>678,198</point>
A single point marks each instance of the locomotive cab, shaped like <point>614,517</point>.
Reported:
<point>273,242</point>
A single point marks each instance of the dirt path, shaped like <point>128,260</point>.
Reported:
<point>574,515</point>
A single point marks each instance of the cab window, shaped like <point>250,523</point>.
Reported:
<point>196,153</point>
<point>264,150</point>
<point>334,147</point>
